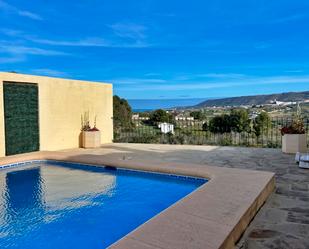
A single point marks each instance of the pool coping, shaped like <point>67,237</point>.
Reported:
<point>105,167</point>
<point>213,216</point>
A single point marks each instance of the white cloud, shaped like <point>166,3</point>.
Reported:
<point>24,13</point>
<point>204,85</point>
<point>12,59</point>
<point>130,34</point>
<point>152,74</point>
<point>222,75</point>
<point>11,32</point>
<point>29,15</point>
<point>136,81</point>
<point>49,72</point>
<point>24,50</point>
<point>129,30</point>
<point>89,42</point>
<point>85,42</point>
<point>294,71</point>
<point>285,19</point>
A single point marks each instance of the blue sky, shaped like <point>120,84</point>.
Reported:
<point>153,49</point>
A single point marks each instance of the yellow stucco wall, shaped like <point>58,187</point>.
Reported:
<point>61,104</point>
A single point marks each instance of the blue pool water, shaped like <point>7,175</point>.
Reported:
<point>51,205</point>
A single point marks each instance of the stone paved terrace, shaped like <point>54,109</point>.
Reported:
<point>283,222</point>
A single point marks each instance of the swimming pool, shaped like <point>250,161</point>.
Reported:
<point>62,205</point>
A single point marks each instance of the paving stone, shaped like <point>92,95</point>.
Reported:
<point>299,230</point>
<point>298,215</point>
<point>272,215</point>
<point>299,186</point>
<point>263,234</point>
<point>279,242</point>
<point>279,202</point>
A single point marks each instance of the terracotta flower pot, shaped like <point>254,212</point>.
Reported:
<point>91,139</point>
<point>293,143</point>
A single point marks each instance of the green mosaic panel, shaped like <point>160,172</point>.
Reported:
<point>21,117</point>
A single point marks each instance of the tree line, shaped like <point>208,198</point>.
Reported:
<point>236,121</point>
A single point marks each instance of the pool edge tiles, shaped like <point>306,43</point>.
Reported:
<point>105,167</point>
<point>21,163</point>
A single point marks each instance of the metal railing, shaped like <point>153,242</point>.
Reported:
<point>192,132</point>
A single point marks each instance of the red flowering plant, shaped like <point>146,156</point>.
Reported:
<point>94,129</point>
<point>296,127</point>
<point>85,123</point>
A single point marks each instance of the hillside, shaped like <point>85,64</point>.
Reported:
<point>255,100</point>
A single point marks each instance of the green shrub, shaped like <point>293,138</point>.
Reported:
<point>205,127</point>
<point>146,138</point>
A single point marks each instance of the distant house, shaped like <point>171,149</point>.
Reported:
<point>166,128</point>
<point>253,116</point>
<point>137,117</point>
<point>282,103</point>
<point>183,118</point>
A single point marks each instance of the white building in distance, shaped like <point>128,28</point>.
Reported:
<point>166,128</point>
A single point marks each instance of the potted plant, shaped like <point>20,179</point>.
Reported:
<point>91,137</point>
<point>294,136</point>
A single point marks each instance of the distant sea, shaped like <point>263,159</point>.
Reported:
<point>142,105</point>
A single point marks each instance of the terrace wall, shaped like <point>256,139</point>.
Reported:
<point>61,104</point>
